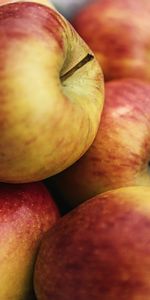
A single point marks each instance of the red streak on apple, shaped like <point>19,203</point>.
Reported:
<point>120,153</point>
<point>115,153</point>
<point>16,17</point>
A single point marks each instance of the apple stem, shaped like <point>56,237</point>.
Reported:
<point>79,65</point>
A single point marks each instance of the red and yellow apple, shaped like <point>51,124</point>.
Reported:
<point>101,250</point>
<point>51,93</point>
<point>120,153</point>
<point>119,33</point>
<point>27,211</point>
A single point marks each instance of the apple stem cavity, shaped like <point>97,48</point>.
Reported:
<point>79,65</point>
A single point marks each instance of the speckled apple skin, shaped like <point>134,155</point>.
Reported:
<point>99,251</point>
<point>27,211</point>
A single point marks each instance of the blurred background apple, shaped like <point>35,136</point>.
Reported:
<point>118,33</point>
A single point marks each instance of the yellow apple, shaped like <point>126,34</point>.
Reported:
<point>51,93</point>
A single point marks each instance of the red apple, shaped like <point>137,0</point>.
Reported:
<point>120,153</point>
<point>99,251</point>
<point>49,112</point>
<point>27,211</point>
<point>119,33</point>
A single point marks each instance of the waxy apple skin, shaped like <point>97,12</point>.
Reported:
<point>44,2</point>
<point>46,123</point>
<point>27,211</point>
<point>105,244</point>
<point>120,153</point>
<point>118,32</point>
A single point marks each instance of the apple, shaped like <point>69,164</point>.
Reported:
<point>27,211</point>
<point>120,153</point>
<point>100,250</point>
<point>51,93</point>
<point>118,32</point>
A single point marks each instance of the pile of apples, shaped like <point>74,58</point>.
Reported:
<point>75,151</point>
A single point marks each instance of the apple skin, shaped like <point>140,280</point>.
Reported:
<point>101,250</point>
<point>46,124</point>
<point>44,2</point>
<point>118,32</point>
<point>120,153</point>
<point>27,211</point>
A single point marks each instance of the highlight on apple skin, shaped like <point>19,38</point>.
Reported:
<point>47,120</point>
<point>105,244</point>
<point>27,211</point>
<point>118,32</point>
<point>120,153</point>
